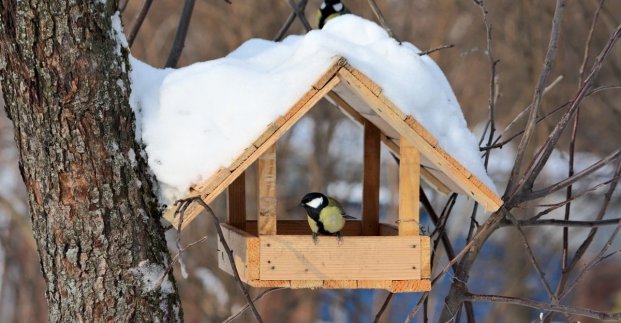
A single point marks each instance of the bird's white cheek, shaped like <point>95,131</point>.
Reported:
<point>337,7</point>
<point>315,203</point>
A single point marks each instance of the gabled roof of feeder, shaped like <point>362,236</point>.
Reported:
<point>361,99</point>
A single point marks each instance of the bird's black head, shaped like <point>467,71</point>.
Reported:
<point>314,201</point>
<point>329,7</point>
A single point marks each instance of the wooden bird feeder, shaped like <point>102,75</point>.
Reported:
<point>277,253</point>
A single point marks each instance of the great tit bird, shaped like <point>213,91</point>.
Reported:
<point>330,9</point>
<point>325,215</point>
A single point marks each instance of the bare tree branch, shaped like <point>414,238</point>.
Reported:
<point>380,17</point>
<point>183,204</point>
<point>435,49</point>
<point>570,180</point>
<point>301,6</point>
<point>531,256</point>
<point>182,31</point>
<point>299,11</point>
<point>587,47</point>
<point>572,148</point>
<point>544,153</point>
<point>247,306</point>
<point>498,144</point>
<point>536,103</point>
<point>383,308</point>
<point>138,22</point>
<point>544,306</point>
<point>568,223</point>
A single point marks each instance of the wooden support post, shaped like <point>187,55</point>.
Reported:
<point>236,202</point>
<point>409,183</point>
<point>371,180</point>
<point>266,175</point>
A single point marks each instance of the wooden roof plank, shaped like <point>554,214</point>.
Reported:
<point>337,63</point>
<point>464,179</point>
<point>391,144</point>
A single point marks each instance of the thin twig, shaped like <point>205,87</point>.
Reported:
<point>544,306</point>
<point>531,256</point>
<point>570,180</point>
<point>285,27</point>
<point>572,149</point>
<point>256,299</point>
<point>580,252</point>
<point>498,144</point>
<point>525,110</point>
<point>383,308</point>
<point>180,35</point>
<point>552,207</point>
<point>416,308</point>
<point>138,22</point>
<point>550,57</point>
<point>380,17</point>
<point>435,49</point>
<point>299,11</point>
<point>587,47</point>
<point>568,223</point>
<point>541,157</point>
<point>227,249</point>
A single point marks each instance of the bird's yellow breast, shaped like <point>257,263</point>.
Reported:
<point>332,219</point>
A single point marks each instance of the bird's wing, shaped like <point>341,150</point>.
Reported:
<point>338,205</point>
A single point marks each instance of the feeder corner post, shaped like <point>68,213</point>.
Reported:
<point>266,192</point>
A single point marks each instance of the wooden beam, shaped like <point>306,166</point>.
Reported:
<point>371,180</point>
<point>266,175</point>
<point>285,257</point>
<point>245,250</point>
<point>236,202</point>
<point>409,184</point>
<point>346,108</point>
<point>300,227</point>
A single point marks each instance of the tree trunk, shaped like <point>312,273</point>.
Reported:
<point>94,214</point>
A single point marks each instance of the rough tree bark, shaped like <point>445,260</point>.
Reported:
<point>95,218</point>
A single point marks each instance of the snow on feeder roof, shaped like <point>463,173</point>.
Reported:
<point>204,124</point>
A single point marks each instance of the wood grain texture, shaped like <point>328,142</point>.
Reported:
<point>375,284</point>
<point>425,257</point>
<point>236,202</point>
<point>312,284</point>
<point>355,258</point>
<point>300,227</point>
<point>406,286</point>
<point>266,192</point>
<point>245,250</point>
<point>340,284</point>
<point>371,180</point>
<point>409,188</point>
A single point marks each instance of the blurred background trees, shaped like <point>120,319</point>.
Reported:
<point>323,152</point>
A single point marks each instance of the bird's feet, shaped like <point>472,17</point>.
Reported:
<point>339,238</point>
<point>315,239</point>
